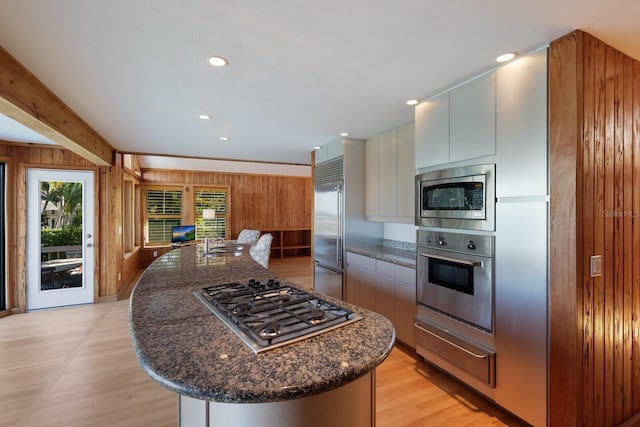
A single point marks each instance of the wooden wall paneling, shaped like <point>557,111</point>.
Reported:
<point>627,252</point>
<point>610,201</point>
<point>57,157</point>
<point>590,146</point>
<point>35,155</point>
<point>46,157</point>
<point>565,165</point>
<point>256,201</point>
<point>113,227</point>
<point>635,174</point>
<point>21,239</point>
<point>606,305</point>
<point>11,178</point>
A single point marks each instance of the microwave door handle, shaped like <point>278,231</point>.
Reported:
<point>451,259</point>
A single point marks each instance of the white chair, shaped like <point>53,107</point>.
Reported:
<point>261,250</point>
<point>248,236</point>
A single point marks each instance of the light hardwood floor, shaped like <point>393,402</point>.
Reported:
<point>76,367</point>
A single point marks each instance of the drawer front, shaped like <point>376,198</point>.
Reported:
<point>470,357</point>
<point>361,261</point>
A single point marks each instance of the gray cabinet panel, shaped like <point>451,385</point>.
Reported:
<point>388,174</point>
<point>406,173</point>
<point>473,107</point>
<point>372,174</point>
<point>522,127</point>
<point>432,132</point>
<point>521,308</point>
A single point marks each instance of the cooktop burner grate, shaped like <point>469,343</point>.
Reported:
<point>269,315</point>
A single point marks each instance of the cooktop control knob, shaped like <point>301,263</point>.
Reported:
<point>471,246</point>
<point>441,241</point>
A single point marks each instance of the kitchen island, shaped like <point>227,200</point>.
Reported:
<point>221,381</point>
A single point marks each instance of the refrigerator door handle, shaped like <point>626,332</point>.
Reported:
<point>340,231</point>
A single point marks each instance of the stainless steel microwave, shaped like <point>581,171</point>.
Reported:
<point>459,198</point>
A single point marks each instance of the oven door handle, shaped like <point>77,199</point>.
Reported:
<point>471,353</point>
<point>451,259</point>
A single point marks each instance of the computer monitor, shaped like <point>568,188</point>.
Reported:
<point>183,233</point>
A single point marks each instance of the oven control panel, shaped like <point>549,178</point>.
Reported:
<point>456,242</point>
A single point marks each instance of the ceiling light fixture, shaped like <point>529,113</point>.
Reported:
<point>413,102</point>
<point>218,61</point>
<point>317,147</point>
<point>205,116</point>
<point>345,134</point>
<point>224,138</point>
<point>506,57</point>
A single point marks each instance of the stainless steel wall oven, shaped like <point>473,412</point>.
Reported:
<point>454,275</point>
<point>460,198</point>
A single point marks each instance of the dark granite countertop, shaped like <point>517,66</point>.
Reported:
<point>184,346</point>
<point>395,252</point>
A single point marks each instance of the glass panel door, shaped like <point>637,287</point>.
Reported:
<point>59,238</point>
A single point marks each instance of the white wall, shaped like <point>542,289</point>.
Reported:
<point>400,232</point>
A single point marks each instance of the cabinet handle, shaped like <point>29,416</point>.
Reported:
<point>477,356</point>
<point>452,259</point>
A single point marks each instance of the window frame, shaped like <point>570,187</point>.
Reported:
<point>197,210</point>
<point>147,216</point>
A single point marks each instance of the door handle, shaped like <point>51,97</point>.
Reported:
<point>89,245</point>
<point>452,259</point>
<point>477,356</point>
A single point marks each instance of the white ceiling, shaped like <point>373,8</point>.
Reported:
<point>300,71</point>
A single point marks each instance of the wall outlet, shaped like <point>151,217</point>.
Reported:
<point>596,265</point>
<point>155,254</point>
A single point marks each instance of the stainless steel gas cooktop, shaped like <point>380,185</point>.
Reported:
<point>269,315</point>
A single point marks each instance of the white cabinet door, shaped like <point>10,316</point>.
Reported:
<point>473,118</point>
<point>406,174</point>
<point>352,286</point>
<point>321,155</point>
<point>386,298</point>
<point>334,149</point>
<point>372,177</point>
<point>367,290</point>
<point>432,132</point>
<point>406,308</point>
<point>388,174</point>
<point>522,127</point>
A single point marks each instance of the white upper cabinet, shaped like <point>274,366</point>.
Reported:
<point>390,176</point>
<point>432,132</point>
<point>406,173</point>
<point>328,151</point>
<point>472,119</point>
<point>372,177</point>
<point>458,124</point>
<point>522,127</point>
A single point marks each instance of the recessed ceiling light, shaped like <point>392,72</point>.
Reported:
<point>506,57</point>
<point>317,147</point>
<point>218,61</point>
<point>345,134</point>
<point>205,116</point>
<point>413,102</point>
<point>224,138</point>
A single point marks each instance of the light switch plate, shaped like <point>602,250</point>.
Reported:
<point>596,265</point>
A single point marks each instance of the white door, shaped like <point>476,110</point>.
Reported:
<point>60,215</point>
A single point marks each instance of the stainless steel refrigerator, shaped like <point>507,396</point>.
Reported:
<point>339,215</point>
<point>328,241</point>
